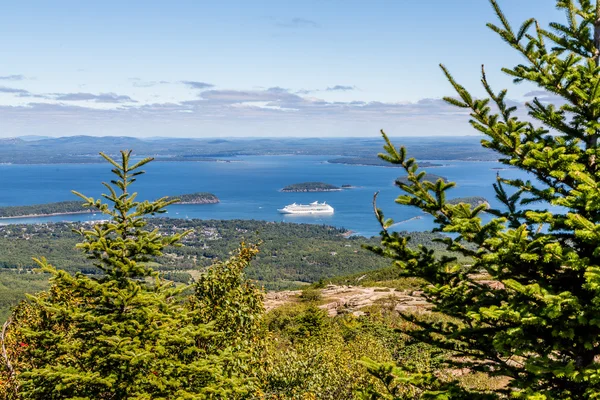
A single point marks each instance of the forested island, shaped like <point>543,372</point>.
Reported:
<point>428,177</point>
<point>474,201</point>
<point>48,209</point>
<point>311,187</point>
<point>375,161</point>
<point>76,206</point>
<point>197,198</point>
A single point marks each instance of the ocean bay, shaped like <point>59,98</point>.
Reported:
<point>249,188</point>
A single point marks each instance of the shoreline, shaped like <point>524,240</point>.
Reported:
<point>235,159</point>
<point>187,203</point>
<point>49,215</point>
<point>386,166</point>
<point>406,220</point>
<point>86,211</point>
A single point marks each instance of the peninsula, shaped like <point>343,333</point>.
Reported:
<point>311,187</point>
<point>76,207</point>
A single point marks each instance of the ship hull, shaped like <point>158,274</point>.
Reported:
<point>282,211</point>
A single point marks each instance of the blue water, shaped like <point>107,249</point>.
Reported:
<point>248,188</point>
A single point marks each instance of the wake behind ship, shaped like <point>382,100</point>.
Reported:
<point>312,208</point>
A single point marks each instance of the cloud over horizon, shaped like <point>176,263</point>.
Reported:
<point>299,22</point>
<point>198,85</point>
<point>4,89</point>
<point>110,98</point>
<point>12,78</point>
<point>137,82</point>
<point>341,88</point>
<point>231,111</point>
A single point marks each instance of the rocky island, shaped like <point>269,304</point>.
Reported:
<point>76,207</point>
<point>311,187</point>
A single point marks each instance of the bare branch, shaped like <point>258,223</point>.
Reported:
<point>4,353</point>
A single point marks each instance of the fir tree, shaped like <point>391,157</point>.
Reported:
<point>535,321</point>
<point>224,297</point>
<point>127,334</point>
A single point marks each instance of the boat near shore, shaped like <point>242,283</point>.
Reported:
<point>312,208</point>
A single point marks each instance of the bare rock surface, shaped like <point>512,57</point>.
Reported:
<point>353,299</point>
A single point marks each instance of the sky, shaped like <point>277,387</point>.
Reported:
<point>303,68</point>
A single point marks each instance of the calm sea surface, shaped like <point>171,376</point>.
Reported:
<point>248,188</point>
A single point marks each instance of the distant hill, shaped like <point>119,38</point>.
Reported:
<point>34,138</point>
<point>10,141</point>
<point>84,149</point>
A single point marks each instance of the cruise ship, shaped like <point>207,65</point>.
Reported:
<point>312,208</point>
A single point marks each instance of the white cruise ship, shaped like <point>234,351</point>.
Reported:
<point>312,208</point>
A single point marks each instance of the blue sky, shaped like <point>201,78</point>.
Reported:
<point>247,68</point>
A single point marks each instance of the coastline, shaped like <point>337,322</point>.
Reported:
<point>404,221</point>
<point>88,211</point>
<point>385,166</point>
<point>49,215</point>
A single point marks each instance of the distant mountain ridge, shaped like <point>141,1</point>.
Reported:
<point>84,149</point>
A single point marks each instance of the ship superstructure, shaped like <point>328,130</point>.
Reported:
<point>312,208</point>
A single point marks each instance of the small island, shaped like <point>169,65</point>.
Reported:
<point>311,187</point>
<point>197,198</point>
<point>76,207</point>
<point>474,201</point>
<point>375,161</point>
<point>428,177</point>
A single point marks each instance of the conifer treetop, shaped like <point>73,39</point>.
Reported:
<point>534,321</point>
<point>121,246</point>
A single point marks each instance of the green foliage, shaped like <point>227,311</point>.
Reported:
<point>298,322</point>
<point>126,333</point>
<point>12,286</point>
<point>405,180</point>
<point>473,201</point>
<point>310,294</point>
<point>324,364</point>
<point>291,254</point>
<point>533,325</point>
<point>233,305</point>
